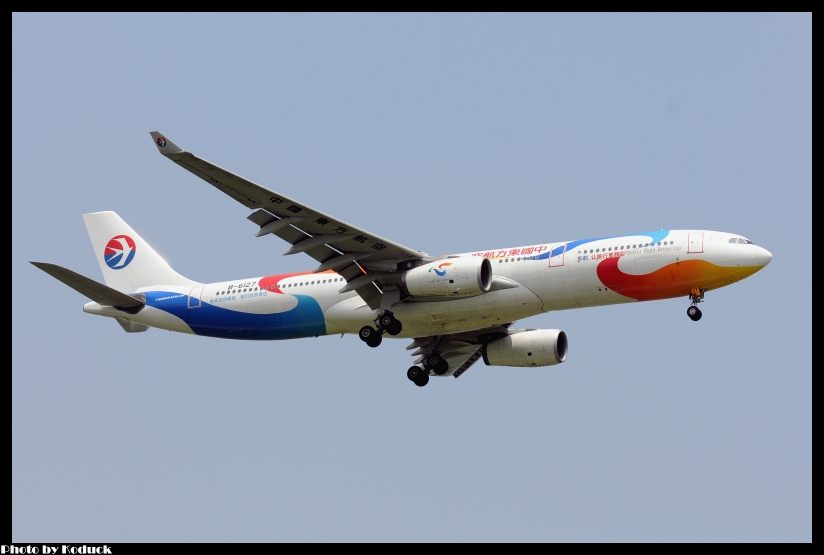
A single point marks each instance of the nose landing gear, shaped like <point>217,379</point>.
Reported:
<point>696,296</point>
<point>387,323</point>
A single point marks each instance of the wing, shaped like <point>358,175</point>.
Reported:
<point>460,350</point>
<point>361,257</point>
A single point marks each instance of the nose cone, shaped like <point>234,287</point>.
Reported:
<point>762,256</point>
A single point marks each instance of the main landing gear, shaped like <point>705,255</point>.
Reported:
<point>435,363</point>
<point>696,296</point>
<point>432,363</point>
<point>418,376</point>
<point>386,322</point>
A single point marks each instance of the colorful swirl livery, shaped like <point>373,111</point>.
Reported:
<point>457,309</point>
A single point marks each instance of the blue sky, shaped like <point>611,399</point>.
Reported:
<point>446,133</point>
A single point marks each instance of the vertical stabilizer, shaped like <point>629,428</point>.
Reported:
<point>126,260</point>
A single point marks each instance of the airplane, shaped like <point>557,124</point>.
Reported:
<point>456,308</point>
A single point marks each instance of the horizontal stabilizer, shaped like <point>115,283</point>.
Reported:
<point>97,292</point>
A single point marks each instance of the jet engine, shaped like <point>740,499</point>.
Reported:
<point>452,277</point>
<point>527,348</point>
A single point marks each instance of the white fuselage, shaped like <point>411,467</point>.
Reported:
<point>537,278</point>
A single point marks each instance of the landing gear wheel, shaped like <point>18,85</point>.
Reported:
<point>435,363</point>
<point>370,336</point>
<point>414,373</point>
<point>694,313</point>
<point>422,380</point>
<point>366,333</point>
<point>441,368</point>
<point>389,323</point>
<point>394,328</point>
<point>432,361</point>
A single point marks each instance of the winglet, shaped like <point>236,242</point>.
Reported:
<point>164,145</point>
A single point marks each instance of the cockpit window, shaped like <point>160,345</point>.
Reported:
<point>741,241</point>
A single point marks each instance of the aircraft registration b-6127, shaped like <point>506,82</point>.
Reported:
<point>457,308</point>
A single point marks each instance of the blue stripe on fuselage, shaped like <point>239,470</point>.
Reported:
<point>305,320</point>
<point>654,235</point>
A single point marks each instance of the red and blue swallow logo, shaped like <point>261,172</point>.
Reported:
<point>119,252</point>
<point>439,269</point>
<point>161,142</point>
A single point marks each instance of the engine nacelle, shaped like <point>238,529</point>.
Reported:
<point>528,348</point>
<point>453,277</point>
